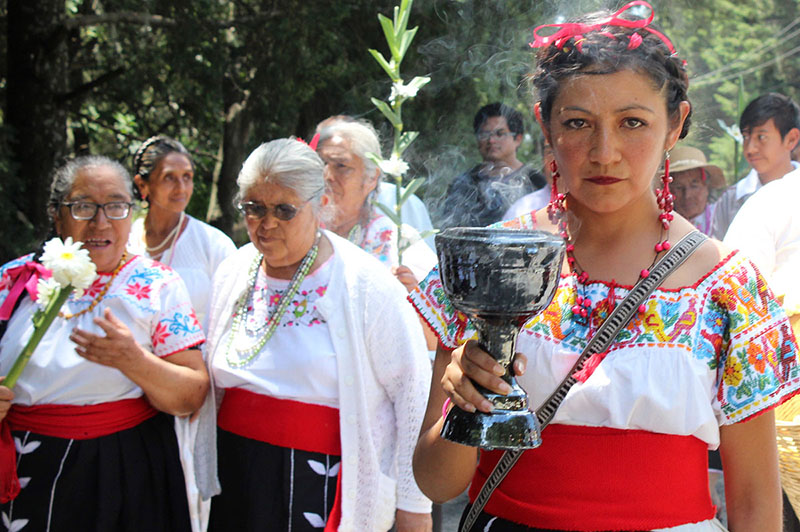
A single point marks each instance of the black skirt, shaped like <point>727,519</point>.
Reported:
<point>128,481</point>
<point>266,487</point>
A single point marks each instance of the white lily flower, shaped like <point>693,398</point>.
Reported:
<point>70,264</point>
<point>399,89</point>
<point>46,289</point>
<point>393,166</point>
<point>408,236</point>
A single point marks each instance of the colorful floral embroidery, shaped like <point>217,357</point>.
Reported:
<point>138,291</point>
<point>730,320</point>
<point>302,311</point>
<point>378,239</point>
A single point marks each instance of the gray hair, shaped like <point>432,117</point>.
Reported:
<point>288,163</point>
<point>362,137</point>
<point>65,175</point>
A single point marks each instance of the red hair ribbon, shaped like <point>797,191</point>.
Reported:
<point>577,30</point>
<point>23,277</point>
<point>312,144</point>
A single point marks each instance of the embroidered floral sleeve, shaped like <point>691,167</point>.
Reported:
<point>451,326</point>
<point>758,354</point>
<point>159,292</point>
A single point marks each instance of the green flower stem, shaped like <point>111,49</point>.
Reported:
<point>41,322</point>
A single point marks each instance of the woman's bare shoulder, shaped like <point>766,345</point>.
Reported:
<point>699,265</point>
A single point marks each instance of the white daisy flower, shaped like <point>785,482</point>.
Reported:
<point>70,264</point>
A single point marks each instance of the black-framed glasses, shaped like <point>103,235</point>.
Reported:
<point>87,210</point>
<point>496,134</point>
<point>282,211</point>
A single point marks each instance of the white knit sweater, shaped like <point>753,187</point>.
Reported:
<point>384,375</point>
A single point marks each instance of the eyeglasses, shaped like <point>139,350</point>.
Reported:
<point>281,211</point>
<point>87,210</point>
<point>496,134</point>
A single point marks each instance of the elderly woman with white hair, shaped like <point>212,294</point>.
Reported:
<point>353,180</point>
<point>322,402</point>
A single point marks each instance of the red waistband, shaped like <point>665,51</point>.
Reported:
<point>73,422</point>
<point>280,422</point>
<point>78,422</point>
<point>595,478</point>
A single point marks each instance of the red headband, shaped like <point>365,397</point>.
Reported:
<point>577,30</point>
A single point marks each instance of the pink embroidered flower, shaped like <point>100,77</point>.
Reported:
<point>96,286</point>
<point>274,299</point>
<point>385,236</point>
<point>160,335</point>
<point>138,291</point>
<point>320,290</point>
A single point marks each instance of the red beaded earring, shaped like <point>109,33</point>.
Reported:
<point>666,202</point>
<point>557,205</point>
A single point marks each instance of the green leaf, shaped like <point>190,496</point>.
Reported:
<point>419,81</point>
<point>405,140</point>
<point>405,40</point>
<point>384,108</point>
<point>428,232</point>
<point>388,212</point>
<point>411,188</point>
<point>382,62</point>
<point>389,32</point>
<point>401,17</point>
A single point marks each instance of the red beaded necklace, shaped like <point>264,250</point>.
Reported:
<point>557,213</point>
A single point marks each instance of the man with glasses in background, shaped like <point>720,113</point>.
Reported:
<point>480,196</point>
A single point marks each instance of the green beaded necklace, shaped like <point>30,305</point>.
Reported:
<point>244,356</point>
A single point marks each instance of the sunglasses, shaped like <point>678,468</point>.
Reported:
<point>256,211</point>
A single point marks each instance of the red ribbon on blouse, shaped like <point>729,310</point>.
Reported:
<point>23,277</point>
<point>577,30</point>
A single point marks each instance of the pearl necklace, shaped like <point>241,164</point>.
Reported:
<point>245,356</point>
<point>170,236</point>
<point>99,296</point>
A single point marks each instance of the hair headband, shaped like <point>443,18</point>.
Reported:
<point>577,30</point>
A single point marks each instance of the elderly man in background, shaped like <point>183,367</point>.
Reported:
<point>694,185</point>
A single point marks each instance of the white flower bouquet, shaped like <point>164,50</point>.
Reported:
<point>72,270</point>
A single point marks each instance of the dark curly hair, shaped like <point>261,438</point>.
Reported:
<point>151,152</point>
<point>608,51</point>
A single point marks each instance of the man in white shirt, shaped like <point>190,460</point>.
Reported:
<point>769,126</point>
<point>767,230</point>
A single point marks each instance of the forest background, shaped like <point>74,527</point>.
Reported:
<point>100,76</point>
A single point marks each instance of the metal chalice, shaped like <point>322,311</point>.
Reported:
<point>499,278</point>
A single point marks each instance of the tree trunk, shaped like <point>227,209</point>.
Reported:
<point>236,133</point>
<point>37,76</point>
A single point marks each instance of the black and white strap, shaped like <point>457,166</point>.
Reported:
<point>601,340</point>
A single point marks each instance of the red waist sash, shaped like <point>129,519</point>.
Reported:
<point>280,422</point>
<point>285,423</point>
<point>74,422</point>
<point>595,478</point>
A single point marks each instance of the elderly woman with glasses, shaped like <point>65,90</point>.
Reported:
<point>322,364</point>
<point>92,414</point>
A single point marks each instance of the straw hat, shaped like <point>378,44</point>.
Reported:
<point>683,158</point>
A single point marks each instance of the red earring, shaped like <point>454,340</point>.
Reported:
<point>666,202</point>
<point>557,205</point>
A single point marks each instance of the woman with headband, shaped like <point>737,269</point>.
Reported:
<point>702,363</point>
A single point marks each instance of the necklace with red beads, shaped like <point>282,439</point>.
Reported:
<point>582,308</point>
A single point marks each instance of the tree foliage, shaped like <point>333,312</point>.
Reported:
<point>222,76</point>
